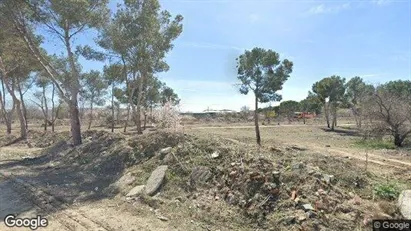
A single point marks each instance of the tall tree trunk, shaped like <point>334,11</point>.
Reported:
<point>138,106</point>
<point>53,112</point>
<point>112,107</point>
<point>334,115</point>
<point>257,128</point>
<point>10,89</point>
<point>357,118</point>
<point>75,87</point>
<point>398,140</point>
<point>23,129</point>
<point>130,103</point>
<point>7,116</point>
<point>23,104</point>
<point>91,115</point>
<point>46,109</point>
<point>127,117</point>
<point>75,123</point>
<point>327,113</point>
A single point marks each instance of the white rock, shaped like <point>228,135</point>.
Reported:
<point>215,155</point>
<point>136,191</point>
<point>404,203</point>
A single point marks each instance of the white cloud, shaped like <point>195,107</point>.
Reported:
<point>323,9</point>
<point>381,2</point>
<point>370,75</point>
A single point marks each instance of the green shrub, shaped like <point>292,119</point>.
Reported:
<point>386,191</point>
<point>375,144</point>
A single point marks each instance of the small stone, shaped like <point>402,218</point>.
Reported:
<point>162,218</point>
<point>276,174</point>
<point>232,173</point>
<point>328,178</point>
<point>166,150</point>
<point>215,155</point>
<point>242,203</point>
<point>231,199</point>
<point>321,191</point>
<point>168,158</point>
<point>136,191</point>
<point>308,207</point>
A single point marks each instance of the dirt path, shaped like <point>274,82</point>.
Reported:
<point>344,152</point>
<point>261,126</point>
<point>18,197</point>
<point>377,159</point>
<point>29,199</point>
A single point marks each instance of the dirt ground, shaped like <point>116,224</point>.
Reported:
<point>74,186</point>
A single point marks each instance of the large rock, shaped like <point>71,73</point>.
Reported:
<point>155,180</point>
<point>404,203</point>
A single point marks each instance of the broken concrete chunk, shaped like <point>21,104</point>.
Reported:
<point>308,207</point>
<point>155,180</point>
<point>215,155</point>
<point>404,203</point>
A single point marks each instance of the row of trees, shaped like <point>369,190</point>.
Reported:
<point>133,41</point>
<point>386,108</point>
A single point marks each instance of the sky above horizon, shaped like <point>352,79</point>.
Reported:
<point>371,39</point>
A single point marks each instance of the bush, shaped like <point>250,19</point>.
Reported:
<point>386,191</point>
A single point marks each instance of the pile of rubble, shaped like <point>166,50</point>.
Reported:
<point>275,191</point>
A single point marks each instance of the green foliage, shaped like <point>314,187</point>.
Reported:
<point>311,104</point>
<point>398,88</point>
<point>375,144</point>
<point>262,72</point>
<point>357,90</point>
<point>332,88</point>
<point>141,35</point>
<point>387,191</point>
<point>113,73</point>
<point>94,87</point>
<point>288,108</point>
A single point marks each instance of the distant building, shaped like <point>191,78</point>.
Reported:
<point>208,113</point>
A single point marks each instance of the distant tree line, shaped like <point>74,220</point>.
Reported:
<point>386,108</point>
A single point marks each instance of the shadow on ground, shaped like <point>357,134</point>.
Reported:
<point>342,132</point>
<point>73,174</point>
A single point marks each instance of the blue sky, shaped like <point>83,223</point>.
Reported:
<point>371,39</point>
